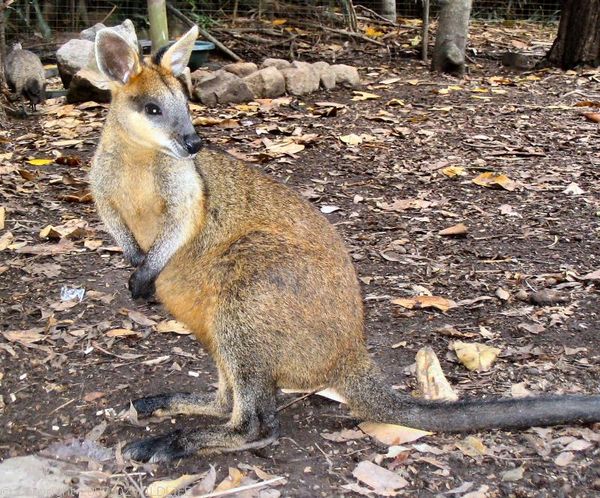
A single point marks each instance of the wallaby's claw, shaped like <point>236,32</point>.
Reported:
<point>156,449</point>
<point>141,283</point>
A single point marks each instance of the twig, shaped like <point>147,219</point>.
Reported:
<point>109,14</point>
<point>346,33</point>
<point>376,15</point>
<point>61,406</point>
<point>182,17</point>
<point>135,485</point>
<point>296,400</point>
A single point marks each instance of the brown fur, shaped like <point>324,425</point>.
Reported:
<point>264,282</point>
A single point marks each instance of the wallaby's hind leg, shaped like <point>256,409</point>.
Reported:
<point>253,424</point>
<point>167,405</point>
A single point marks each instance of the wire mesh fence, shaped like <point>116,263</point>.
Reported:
<point>48,19</point>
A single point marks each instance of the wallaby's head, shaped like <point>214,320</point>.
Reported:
<point>148,98</point>
<point>35,92</point>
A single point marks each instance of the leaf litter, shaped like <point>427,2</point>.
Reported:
<point>515,237</point>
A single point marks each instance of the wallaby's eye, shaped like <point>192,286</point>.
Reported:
<point>152,109</point>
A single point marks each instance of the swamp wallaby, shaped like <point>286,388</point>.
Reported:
<point>25,76</point>
<point>260,277</point>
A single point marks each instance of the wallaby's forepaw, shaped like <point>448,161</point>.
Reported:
<point>141,283</point>
<point>157,449</point>
<point>135,259</point>
<point>152,405</point>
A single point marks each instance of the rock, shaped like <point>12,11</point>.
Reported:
<point>35,477</point>
<point>73,56</point>
<point>266,83</point>
<point>301,78</point>
<point>199,74</point>
<point>85,86</point>
<point>346,75</point>
<point>90,33</point>
<point>222,87</point>
<point>278,63</point>
<point>77,58</point>
<point>241,69</point>
<point>326,74</point>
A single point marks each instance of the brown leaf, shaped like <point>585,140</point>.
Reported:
<point>172,326</point>
<point>140,318</point>
<point>592,116</point>
<point>24,337</point>
<point>391,433</point>
<point>343,435</point>
<point>456,230</point>
<point>491,179</point>
<point>430,377</point>
<point>472,446</point>
<point>475,356</point>
<point>418,302</point>
<point>564,459</point>
<point>122,333</point>
<point>384,482</point>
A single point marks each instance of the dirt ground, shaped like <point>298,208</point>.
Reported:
<point>537,229</point>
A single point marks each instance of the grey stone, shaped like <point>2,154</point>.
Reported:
<point>346,75</point>
<point>90,33</point>
<point>73,56</point>
<point>35,477</point>
<point>278,63</point>
<point>326,74</point>
<point>85,86</point>
<point>301,78</point>
<point>241,69</point>
<point>266,83</point>
<point>222,87</point>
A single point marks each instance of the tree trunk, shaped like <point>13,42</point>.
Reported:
<point>387,9</point>
<point>578,39</point>
<point>451,37</point>
<point>3,6</point>
<point>159,31</point>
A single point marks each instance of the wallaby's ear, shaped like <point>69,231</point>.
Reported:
<point>116,59</point>
<point>177,56</point>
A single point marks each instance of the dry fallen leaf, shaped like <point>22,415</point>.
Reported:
<point>472,446</point>
<point>384,482</point>
<point>343,435</point>
<point>40,162</point>
<point>24,337</point>
<point>475,356</point>
<point>122,333</point>
<point>418,302</point>
<point>453,171</point>
<point>162,489</point>
<point>392,434</point>
<point>592,116</point>
<point>430,377</point>
<point>513,474</point>
<point>172,326</point>
<point>455,230</point>
<point>358,95</point>
<point>2,217</point>
<point>491,179</point>
<point>564,459</point>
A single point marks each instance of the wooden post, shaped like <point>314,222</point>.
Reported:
<point>159,30</point>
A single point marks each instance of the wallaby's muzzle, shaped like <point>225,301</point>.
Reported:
<point>192,142</point>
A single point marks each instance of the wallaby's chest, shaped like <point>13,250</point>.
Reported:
<point>139,201</point>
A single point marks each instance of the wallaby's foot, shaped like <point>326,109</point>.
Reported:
<point>157,449</point>
<point>167,405</point>
<point>177,444</point>
<point>141,283</point>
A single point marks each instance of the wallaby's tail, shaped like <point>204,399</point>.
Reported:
<point>371,399</point>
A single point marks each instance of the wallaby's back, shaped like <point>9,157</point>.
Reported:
<point>25,74</point>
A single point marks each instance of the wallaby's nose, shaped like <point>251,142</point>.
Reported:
<point>192,143</point>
